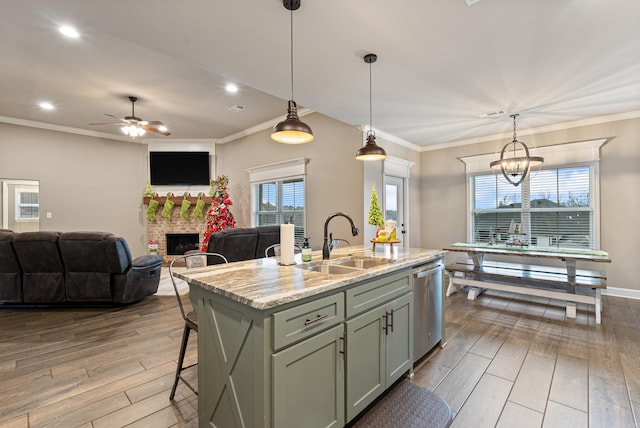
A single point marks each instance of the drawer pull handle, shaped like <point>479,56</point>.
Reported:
<point>316,319</point>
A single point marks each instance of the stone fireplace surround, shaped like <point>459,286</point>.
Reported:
<point>160,227</point>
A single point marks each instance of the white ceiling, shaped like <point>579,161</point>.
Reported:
<point>440,63</point>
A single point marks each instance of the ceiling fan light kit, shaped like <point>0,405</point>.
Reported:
<point>515,162</point>
<point>292,130</point>
<point>370,151</point>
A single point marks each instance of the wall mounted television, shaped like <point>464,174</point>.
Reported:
<point>179,168</point>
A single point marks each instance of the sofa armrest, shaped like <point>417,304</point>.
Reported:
<point>138,282</point>
<point>146,261</point>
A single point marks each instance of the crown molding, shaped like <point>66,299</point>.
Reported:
<point>260,127</point>
<point>60,128</point>
<point>388,137</point>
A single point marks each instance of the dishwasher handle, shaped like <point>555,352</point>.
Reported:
<point>421,273</point>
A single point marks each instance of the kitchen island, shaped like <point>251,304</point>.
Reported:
<point>305,345</point>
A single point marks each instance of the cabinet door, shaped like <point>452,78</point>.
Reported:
<point>308,382</point>
<point>399,332</point>
<point>365,360</point>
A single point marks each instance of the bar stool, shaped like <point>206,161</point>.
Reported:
<point>190,318</point>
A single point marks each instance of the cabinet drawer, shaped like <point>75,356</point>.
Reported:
<point>377,292</point>
<point>297,323</point>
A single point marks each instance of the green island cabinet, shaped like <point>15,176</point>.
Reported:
<point>315,362</point>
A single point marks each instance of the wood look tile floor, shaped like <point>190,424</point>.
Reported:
<point>508,362</point>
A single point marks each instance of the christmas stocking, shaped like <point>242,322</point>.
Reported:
<point>198,210</point>
<point>166,211</point>
<point>151,209</point>
<point>186,203</point>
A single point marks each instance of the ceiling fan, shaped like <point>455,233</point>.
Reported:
<point>134,126</point>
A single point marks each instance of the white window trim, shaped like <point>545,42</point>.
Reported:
<point>556,156</point>
<point>279,171</point>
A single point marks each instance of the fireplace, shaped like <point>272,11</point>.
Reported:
<point>180,243</point>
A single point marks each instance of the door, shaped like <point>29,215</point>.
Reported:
<point>394,206</point>
<point>308,382</point>
<point>365,360</point>
<point>398,336</point>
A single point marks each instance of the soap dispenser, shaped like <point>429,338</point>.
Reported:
<point>306,250</point>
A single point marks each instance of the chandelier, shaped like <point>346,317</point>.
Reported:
<point>515,162</point>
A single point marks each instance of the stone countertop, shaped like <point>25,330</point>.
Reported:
<point>263,284</point>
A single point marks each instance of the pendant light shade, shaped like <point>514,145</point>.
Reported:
<point>515,162</point>
<point>370,151</point>
<point>292,130</point>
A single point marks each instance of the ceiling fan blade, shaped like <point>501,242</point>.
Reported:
<point>110,123</point>
<point>116,117</point>
<point>155,129</point>
<point>150,122</point>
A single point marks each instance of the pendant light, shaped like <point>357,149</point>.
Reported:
<point>292,130</point>
<point>515,163</point>
<point>370,151</point>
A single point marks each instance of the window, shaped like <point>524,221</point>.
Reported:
<point>27,205</point>
<point>554,206</point>
<point>278,195</point>
<point>278,202</point>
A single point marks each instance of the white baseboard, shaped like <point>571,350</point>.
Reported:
<point>621,292</point>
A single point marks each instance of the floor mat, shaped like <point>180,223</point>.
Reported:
<point>407,406</point>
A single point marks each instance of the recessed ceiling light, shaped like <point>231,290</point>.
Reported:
<point>69,32</point>
<point>45,105</point>
<point>231,87</point>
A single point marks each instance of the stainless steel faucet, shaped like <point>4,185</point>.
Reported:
<point>328,237</point>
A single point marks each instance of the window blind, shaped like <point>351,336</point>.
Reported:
<point>280,201</point>
<point>554,206</point>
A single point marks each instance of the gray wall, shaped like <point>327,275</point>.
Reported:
<point>443,189</point>
<point>86,183</point>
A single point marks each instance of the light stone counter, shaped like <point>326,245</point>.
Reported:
<point>263,284</point>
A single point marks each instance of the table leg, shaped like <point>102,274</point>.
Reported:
<point>477,258</point>
<point>571,310</point>
<point>571,270</point>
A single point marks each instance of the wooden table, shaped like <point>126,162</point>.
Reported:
<point>519,274</point>
<point>390,243</point>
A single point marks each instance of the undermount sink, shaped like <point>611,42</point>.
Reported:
<point>329,268</point>
<point>361,262</point>
<point>345,265</point>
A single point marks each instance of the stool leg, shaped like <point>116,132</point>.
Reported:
<point>183,350</point>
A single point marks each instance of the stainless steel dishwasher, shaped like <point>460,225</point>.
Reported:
<point>428,310</point>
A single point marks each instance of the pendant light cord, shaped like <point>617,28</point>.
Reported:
<point>370,102</point>
<point>291,39</point>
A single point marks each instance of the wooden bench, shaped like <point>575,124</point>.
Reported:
<point>536,280</point>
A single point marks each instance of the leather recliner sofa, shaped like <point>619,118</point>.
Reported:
<point>242,243</point>
<point>73,268</point>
